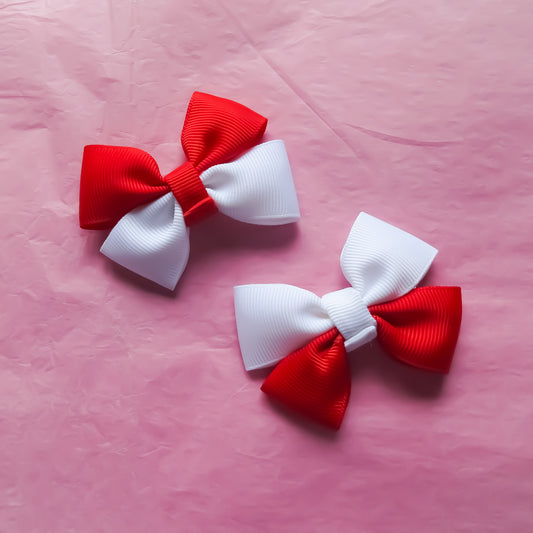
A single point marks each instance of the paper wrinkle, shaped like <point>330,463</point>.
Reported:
<point>124,408</point>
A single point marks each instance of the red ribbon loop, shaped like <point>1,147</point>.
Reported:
<point>314,380</point>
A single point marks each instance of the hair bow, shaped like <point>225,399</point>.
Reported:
<point>383,264</point>
<point>122,188</point>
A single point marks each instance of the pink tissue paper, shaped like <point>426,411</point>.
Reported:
<point>125,407</point>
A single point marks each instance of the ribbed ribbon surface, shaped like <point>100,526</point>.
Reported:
<point>309,336</point>
<point>122,188</point>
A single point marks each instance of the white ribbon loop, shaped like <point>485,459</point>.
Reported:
<point>380,261</point>
<point>257,188</point>
<point>152,241</point>
<point>383,262</point>
<point>274,320</point>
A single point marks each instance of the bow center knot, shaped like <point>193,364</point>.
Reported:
<point>190,193</point>
<point>351,317</point>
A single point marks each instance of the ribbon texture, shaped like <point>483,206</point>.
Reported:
<point>122,188</point>
<point>309,336</point>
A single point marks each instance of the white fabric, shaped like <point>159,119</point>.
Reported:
<point>350,316</point>
<point>152,241</point>
<point>381,262</point>
<point>274,320</point>
<point>257,188</point>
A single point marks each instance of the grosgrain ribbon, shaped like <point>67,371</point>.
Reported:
<point>418,326</point>
<point>122,188</point>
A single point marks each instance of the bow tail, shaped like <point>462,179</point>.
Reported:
<point>422,327</point>
<point>314,380</point>
<point>152,241</point>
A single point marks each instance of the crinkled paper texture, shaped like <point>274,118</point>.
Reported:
<point>127,408</point>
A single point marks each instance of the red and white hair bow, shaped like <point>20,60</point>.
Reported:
<point>122,188</point>
<point>310,336</point>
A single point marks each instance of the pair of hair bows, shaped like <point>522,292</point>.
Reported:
<point>305,336</point>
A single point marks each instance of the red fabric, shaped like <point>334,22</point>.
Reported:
<point>117,179</point>
<point>314,380</point>
<point>419,329</point>
<point>422,327</point>
<point>189,191</point>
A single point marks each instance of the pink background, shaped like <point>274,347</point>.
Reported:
<point>127,408</point>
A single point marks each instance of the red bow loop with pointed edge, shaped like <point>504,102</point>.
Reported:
<point>314,381</point>
<point>115,180</point>
<point>417,326</point>
<point>217,130</point>
<point>421,328</point>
